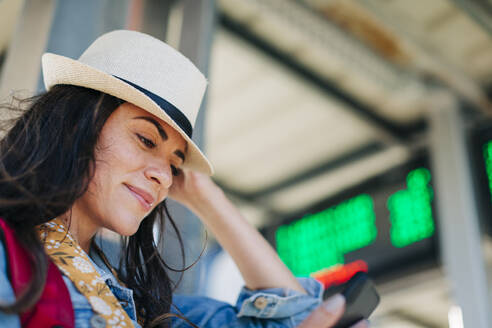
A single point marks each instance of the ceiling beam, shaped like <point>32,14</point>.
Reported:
<point>350,157</point>
<point>479,11</point>
<point>333,164</point>
<point>429,63</point>
<point>396,133</point>
<point>246,198</point>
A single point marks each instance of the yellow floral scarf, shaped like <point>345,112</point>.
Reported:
<point>74,263</point>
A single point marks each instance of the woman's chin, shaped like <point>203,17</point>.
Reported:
<point>126,228</point>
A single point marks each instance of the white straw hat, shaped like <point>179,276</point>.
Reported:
<point>144,71</point>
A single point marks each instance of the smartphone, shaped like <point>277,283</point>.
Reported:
<point>361,298</point>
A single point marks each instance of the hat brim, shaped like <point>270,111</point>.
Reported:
<point>63,70</point>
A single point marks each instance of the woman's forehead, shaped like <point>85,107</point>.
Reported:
<point>133,112</point>
<point>129,109</point>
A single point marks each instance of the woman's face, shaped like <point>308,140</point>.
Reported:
<point>136,157</point>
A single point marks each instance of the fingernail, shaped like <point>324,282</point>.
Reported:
<point>334,303</point>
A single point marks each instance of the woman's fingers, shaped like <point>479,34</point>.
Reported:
<point>361,324</point>
<point>327,314</point>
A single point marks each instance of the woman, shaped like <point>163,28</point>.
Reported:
<point>103,148</point>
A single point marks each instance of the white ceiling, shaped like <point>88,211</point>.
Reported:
<point>446,31</point>
<point>265,124</point>
<point>440,38</point>
<point>325,185</point>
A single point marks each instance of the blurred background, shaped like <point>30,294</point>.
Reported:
<point>354,134</point>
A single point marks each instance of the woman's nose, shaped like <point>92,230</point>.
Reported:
<point>162,176</point>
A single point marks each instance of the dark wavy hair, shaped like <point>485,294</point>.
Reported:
<point>46,163</point>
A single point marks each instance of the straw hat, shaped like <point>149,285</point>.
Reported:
<point>144,71</point>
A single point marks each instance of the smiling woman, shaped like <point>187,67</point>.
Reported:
<point>137,155</point>
<point>103,148</point>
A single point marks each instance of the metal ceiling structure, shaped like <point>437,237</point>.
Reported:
<point>353,92</point>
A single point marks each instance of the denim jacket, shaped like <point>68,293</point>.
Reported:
<point>267,308</point>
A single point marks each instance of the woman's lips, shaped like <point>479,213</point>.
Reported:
<point>145,198</point>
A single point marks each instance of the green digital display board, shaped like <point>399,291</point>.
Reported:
<point>480,143</point>
<point>320,240</point>
<point>487,154</point>
<point>411,210</point>
<point>324,239</point>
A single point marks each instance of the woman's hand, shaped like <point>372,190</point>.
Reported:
<point>199,193</point>
<point>328,313</point>
<point>258,262</point>
<point>193,189</point>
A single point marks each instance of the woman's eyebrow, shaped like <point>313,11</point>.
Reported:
<point>157,125</point>
<point>162,133</point>
<point>180,154</point>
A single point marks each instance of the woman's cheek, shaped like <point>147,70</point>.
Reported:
<point>128,153</point>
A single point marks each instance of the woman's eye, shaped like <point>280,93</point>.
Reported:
<point>175,171</point>
<point>148,143</point>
